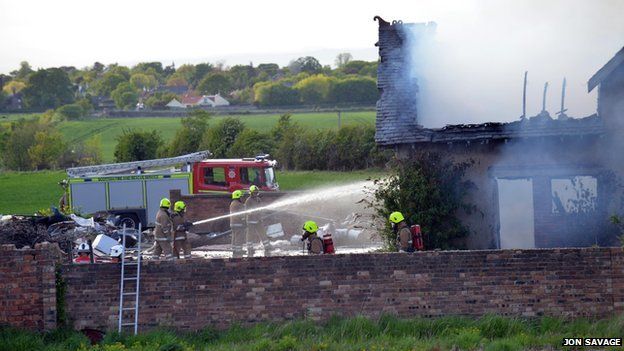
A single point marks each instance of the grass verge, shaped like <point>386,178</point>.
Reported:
<point>358,333</point>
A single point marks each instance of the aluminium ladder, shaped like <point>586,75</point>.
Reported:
<point>132,275</point>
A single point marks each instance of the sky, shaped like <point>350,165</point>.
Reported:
<point>485,43</point>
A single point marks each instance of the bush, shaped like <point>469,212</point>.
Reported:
<point>250,143</point>
<point>315,89</point>
<point>70,112</point>
<point>355,90</point>
<point>137,146</point>
<point>219,139</point>
<point>188,138</point>
<point>275,94</point>
<point>429,190</point>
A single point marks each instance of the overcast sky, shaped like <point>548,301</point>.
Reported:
<point>550,38</point>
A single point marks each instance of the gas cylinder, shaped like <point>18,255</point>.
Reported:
<point>328,243</point>
<point>417,238</point>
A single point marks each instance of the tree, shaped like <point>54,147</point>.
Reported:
<point>355,90</point>
<point>214,83</point>
<point>285,134</point>
<point>250,143</point>
<point>98,67</point>
<point>200,71</point>
<point>342,59</point>
<point>314,89</point>
<point>220,138</point>
<point>23,72</point>
<point>306,64</point>
<point>109,82</point>
<point>125,96</point>
<point>20,138</point>
<point>13,87</point>
<point>176,81</point>
<point>242,75</point>
<point>48,88</point>
<point>275,94</point>
<point>141,81</point>
<point>47,150</point>
<point>188,138</point>
<point>271,69</point>
<point>430,190</point>
<point>137,145</point>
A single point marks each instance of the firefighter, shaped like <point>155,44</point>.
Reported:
<point>402,231</point>
<point>181,226</point>
<point>163,232</point>
<point>255,232</point>
<point>315,244</point>
<point>237,223</point>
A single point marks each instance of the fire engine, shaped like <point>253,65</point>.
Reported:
<point>132,190</point>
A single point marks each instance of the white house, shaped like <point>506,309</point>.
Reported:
<point>192,101</point>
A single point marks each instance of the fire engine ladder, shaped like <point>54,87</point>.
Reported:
<point>129,284</point>
<point>130,166</point>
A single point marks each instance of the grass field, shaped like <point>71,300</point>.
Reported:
<point>6,118</point>
<point>489,333</point>
<point>27,192</point>
<point>110,128</point>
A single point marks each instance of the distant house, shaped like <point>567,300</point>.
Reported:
<point>175,104</point>
<point>189,100</point>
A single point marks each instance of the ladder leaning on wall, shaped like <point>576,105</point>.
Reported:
<point>130,273</point>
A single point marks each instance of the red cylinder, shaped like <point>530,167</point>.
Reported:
<point>328,244</point>
<point>417,238</point>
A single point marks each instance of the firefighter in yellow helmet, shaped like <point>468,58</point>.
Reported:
<point>181,227</point>
<point>315,244</point>
<point>163,232</point>
<point>403,234</point>
<point>237,223</point>
<point>255,228</point>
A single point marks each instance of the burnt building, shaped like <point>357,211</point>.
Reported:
<point>540,181</point>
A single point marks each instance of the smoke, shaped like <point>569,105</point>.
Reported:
<point>472,69</point>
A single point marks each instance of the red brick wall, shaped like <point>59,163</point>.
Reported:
<point>193,294</point>
<point>27,286</point>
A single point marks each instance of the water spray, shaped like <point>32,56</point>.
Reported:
<point>313,196</point>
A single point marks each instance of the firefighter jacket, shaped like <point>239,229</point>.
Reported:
<point>164,226</point>
<point>237,220</point>
<point>253,218</point>
<point>179,225</point>
<point>404,238</point>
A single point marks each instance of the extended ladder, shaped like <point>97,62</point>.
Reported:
<point>87,171</point>
<point>133,275</point>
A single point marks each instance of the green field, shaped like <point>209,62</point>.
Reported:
<point>110,128</point>
<point>489,333</point>
<point>10,117</point>
<point>28,192</point>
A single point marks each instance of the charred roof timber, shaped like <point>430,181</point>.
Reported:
<point>397,114</point>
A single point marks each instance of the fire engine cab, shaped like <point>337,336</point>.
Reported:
<point>133,190</point>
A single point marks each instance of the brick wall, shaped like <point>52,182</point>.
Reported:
<point>27,286</point>
<point>192,294</point>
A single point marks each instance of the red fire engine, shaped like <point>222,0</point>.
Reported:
<point>133,190</point>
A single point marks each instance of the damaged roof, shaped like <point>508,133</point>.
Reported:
<point>534,127</point>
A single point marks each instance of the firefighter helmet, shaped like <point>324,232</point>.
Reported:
<point>165,203</point>
<point>179,206</point>
<point>83,248</point>
<point>310,227</point>
<point>253,189</point>
<point>396,217</point>
<point>237,194</point>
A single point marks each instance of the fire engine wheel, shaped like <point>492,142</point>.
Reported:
<point>130,220</point>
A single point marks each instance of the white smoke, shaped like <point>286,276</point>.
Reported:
<point>472,70</point>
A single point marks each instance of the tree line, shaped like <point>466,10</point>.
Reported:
<point>303,81</point>
<point>295,147</point>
